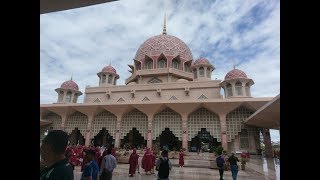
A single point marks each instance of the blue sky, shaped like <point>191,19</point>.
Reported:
<point>82,41</point>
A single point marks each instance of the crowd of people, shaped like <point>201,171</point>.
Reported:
<point>58,160</point>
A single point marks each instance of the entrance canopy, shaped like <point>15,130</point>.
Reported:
<point>44,122</point>
<point>47,6</point>
<point>268,116</point>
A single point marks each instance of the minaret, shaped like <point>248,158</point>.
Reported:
<point>164,26</point>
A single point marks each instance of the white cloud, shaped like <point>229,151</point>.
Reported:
<point>82,41</point>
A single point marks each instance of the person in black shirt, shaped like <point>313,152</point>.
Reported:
<point>233,165</point>
<point>52,153</point>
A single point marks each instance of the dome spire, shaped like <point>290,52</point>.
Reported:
<point>164,25</point>
<point>71,76</point>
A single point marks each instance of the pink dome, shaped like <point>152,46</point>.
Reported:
<point>70,85</point>
<point>235,73</point>
<point>201,60</point>
<point>166,44</point>
<point>109,69</point>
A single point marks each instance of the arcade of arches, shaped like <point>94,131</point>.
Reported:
<point>201,130</point>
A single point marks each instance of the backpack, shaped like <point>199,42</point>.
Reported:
<point>164,169</point>
<point>219,161</point>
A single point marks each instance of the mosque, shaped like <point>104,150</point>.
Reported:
<point>168,101</point>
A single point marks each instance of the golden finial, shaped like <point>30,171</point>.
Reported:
<point>164,25</point>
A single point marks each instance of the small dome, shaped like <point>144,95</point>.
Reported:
<point>235,73</point>
<point>182,80</point>
<point>70,85</point>
<point>109,69</point>
<point>201,60</point>
<point>132,83</point>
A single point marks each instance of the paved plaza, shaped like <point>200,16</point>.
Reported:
<point>271,172</point>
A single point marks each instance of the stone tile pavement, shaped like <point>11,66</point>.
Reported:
<point>185,173</point>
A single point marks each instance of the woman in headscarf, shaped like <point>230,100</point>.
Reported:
<point>133,162</point>
<point>147,161</point>
<point>181,158</point>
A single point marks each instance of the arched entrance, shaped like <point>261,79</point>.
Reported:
<point>103,138</point>
<point>204,142</point>
<point>133,139</point>
<point>168,140</point>
<point>76,137</point>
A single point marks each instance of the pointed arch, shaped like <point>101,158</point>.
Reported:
<point>203,118</point>
<point>121,100</point>
<point>202,97</point>
<point>173,98</point>
<point>146,99</point>
<point>134,119</point>
<point>176,62</point>
<point>55,120</point>
<point>229,90</point>
<point>76,120</point>
<point>234,121</point>
<point>167,118</point>
<point>162,61</point>
<point>154,80</point>
<point>238,87</point>
<point>148,63</point>
<point>104,119</point>
<point>201,71</point>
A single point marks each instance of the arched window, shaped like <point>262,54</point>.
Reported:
<point>68,96</point>
<point>162,63</point>
<point>149,64</point>
<point>201,72</point>
<point>60,97</point>
<point>175,64</point>
<point>103,78</point>
<point>138,66</point>
<point>239,88</point>
<point>248,89</point>
<point>186,67</point>
<point>229,90</point>
<point>75,98</point>
<point>110,79</point>
<point>208,73</point>
<point>195,75</point>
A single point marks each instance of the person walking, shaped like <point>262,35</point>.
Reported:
<point>133,163</point>
<point>233,165</point>
<point>220,163</point>
<point>181,158</point>
<point>163,166</point>
<point>52,151</point>
<point>91,169</point>
<point>107,166</point>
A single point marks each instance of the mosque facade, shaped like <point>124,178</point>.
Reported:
<point>170,100</point>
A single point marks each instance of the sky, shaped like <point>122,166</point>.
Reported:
<point>80,42</point>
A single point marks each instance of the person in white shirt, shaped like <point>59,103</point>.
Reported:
<point>108,163</point>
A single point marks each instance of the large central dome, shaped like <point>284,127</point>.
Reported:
<point>168,45</point>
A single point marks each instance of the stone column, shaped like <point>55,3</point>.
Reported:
<point>88,131</point>
<point>198,74</point>
<point>267,143</point>
<point>72,97</point>
<point>63,121</point>
<point>117,136</point>
<point>185,132</point>
<point>113,78</point>
<point>223,126</point>
<point>64,96</point>
<point>243,88</point>
<point>233,85</point>
<point>149,131</point>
